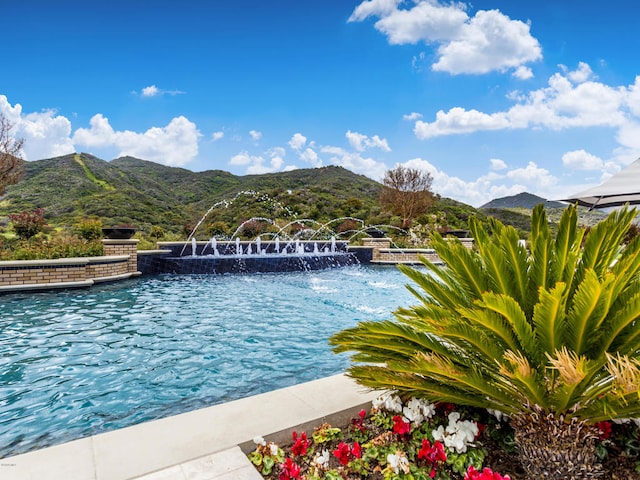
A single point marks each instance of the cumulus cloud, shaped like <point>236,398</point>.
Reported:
<point>532,175</point>
<point>215,136</point>
<point>360,142</point>
<point>46,134</point>
<point>497,164</point>
<point>298,141</point>
<point>255,135</point>
<point>565,103</point>
<point>153,91</point>
<point>485,42</point>
<point>491,185</point>
<point>355,162</point>
<point>581,160</point>
<point>176,144</point>
<point>258,164</point>
<point>523,73</point>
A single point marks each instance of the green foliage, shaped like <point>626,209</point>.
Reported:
<point>28,224</point>
<point>89,229</point>
<point>59,246</point>
<point>553,329</point>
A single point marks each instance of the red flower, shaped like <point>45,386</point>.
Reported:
<point>289,470</point>
<point>300,445</point>
<point>481,429</point>
<point>605,429</point>
<point>362,413</point>
<point>432,454</point>
<point>486,474</point>
<point>401,427</point>
<point>356,451</point>
<point>346,454</point>
<point>342,452</point>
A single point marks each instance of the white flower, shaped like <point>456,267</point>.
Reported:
<point>458,435</point>
<point>274,449</point>
<point>322,459</point>
<point>398,462</point>
<point>258,440</point>
<point>388,401</point>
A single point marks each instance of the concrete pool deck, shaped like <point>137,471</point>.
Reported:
<point>206,444</point>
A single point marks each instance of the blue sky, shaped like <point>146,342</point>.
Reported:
<point>492,97</point>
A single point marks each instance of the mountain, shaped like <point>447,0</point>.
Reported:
<point>129,190</point>
<point>522,200</point>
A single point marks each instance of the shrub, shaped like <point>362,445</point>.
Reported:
<point>28,224</point>
<point>90,229</point>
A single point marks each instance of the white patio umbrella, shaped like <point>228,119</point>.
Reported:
<point>622,188</point>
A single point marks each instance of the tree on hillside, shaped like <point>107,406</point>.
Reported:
<point>406,192</point>
<point>10,148</point>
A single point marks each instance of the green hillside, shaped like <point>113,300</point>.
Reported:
<point>130,190</point>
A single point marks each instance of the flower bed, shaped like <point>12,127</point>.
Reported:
<point>415,440</point>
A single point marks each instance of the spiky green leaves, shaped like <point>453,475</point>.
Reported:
<point>509,326</point>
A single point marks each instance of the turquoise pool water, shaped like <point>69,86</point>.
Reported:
<point>80,362</point>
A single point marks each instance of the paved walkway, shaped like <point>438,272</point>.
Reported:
<point>205,444</point>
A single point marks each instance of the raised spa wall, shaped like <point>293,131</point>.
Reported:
<point>122,260</point>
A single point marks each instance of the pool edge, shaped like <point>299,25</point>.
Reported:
<point>166,444</point>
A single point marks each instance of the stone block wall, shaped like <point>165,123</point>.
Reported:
<point>123,247</point>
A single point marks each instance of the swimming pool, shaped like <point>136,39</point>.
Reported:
<point>80,362</point>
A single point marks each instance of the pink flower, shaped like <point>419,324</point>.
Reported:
<point>486,474</point>
<point>289,470</point>
<point>401,427</point>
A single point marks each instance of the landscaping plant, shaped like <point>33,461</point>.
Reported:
<point>546,334</point>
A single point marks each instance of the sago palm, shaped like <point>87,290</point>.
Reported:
<point>547,333</point>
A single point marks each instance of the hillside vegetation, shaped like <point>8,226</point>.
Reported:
<point>76,187</point>
<point>133,191</point>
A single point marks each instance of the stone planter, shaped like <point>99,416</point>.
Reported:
<point>119,233</point>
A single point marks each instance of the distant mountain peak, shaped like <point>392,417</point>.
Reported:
<point>522,200</point>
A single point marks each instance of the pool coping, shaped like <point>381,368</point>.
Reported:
<point>204,444</point>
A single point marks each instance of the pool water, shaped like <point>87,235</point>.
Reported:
<point>75,363</point>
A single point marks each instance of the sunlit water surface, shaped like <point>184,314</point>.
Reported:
<point>80,362</point>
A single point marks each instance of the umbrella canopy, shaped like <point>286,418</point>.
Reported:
<point>622,188</point>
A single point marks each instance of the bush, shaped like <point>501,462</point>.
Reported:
<point>90,229</point>
<point>28,224</point>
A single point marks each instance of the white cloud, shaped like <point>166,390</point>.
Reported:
<point>532,176</point>
<point>153,91</point>
<point>176,144</point>
<point>523,73</point>
<point>373,7</point>
<point>215,136</point>
<point>310,156</point>
<point>150,91</point>
<point>485,42</point>
<point>298,141</point>
<point>257,164</point>
<point>581,160</point>
<point>497,164</point>
<point>563,104</point>
<point>355,162</point>
<point>360,142</point>
<point>412,116</point>
<point>255,135</point>
<point>46,134</point>
<point>490,185</point>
